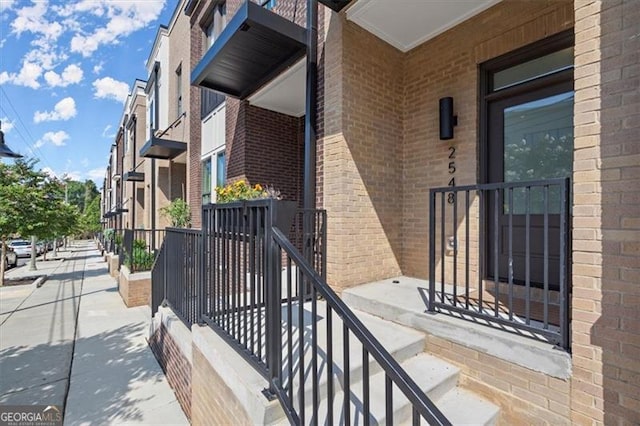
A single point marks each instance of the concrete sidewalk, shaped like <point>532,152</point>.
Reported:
<point>73,341</point>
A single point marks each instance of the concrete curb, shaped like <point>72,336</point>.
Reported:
<point>41,280</point>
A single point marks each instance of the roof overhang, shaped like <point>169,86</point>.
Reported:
<point>414,22</point>
<point>285,93</point>
<point>132,176</point>
<point>254,48</point>
<point>162,149</point>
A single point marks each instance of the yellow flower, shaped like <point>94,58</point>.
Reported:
<point>258,187</point>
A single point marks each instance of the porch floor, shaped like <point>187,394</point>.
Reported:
<point>408,306</point>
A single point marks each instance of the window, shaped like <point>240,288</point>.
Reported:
<point>179,89</point>
<point>220,169</point>
<point>270,4</point>
<point>217,23</point>
<point>206,181</point>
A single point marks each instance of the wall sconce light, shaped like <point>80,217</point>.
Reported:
<point>447,119</point>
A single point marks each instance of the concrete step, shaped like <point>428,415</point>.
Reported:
<point>462,407</point>
<point>401,342</point>
<point>432,375</point>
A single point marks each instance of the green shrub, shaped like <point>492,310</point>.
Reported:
<point>141,259</point>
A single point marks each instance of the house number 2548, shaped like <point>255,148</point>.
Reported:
<point>451,196</point>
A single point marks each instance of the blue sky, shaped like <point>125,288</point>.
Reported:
<point>66,67</point>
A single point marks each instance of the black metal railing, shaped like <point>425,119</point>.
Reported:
<point>139,248</point>
<point>235,288</point>
<point>500,252</point>
<point>183,272</point>
<point>158,281</point>
<point>311,238</point>
<point>300,370</point>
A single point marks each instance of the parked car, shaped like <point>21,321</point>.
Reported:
<point>22,248</point>
<point>11,259</point>
<point>41,247</point>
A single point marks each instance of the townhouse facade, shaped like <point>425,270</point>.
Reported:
<point>488,147</point>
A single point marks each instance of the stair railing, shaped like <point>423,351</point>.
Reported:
<point>294,356</point>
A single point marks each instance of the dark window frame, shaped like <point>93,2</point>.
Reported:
<point>486,70</point>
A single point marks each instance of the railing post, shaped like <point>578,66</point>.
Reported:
<point>273,287</point>
<point>432,250</point>
<point>203,269</point>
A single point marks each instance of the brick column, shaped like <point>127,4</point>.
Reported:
<point>606,216</point>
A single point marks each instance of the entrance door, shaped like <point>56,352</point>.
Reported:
<point>529,137</point>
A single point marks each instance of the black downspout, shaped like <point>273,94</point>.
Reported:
<point>310,106</point>
<point>156,118</point>
<point>310,129</point>
<point>134,183</point>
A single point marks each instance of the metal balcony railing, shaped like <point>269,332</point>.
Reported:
<point>500,253</point>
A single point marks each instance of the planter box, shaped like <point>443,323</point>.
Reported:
<point>135,288</point>
<point>282,211</point>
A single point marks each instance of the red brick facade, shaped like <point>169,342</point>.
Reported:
<point>174,364</point>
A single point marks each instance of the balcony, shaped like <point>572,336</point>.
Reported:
<point>256,46</point>
<point>162,149</point>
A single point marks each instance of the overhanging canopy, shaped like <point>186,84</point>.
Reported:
<point>132,176</point>
<point>163,149</point>
<point>255,46</point>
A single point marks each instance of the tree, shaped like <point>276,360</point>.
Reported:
<point>90,219</point>
<point>32,204</point>
<point>21,195</point>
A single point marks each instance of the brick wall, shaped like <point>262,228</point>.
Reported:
<point>606,214</point>
<point>266,147</point>
<point>194,178</point>
<point>213,402</point>
<point>381,150</point>
<point>135,289</point>
<point>174,364</point>
<point>523,395</point>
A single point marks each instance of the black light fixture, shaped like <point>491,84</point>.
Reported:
<point>5,151</point>
<point>447,119</point>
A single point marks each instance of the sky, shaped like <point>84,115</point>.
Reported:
<point>66,67</point>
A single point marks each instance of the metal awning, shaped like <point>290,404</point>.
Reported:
<point>163,149</point>
<point>255,47</point>
<point>336,5</point>
<point>132,176</point>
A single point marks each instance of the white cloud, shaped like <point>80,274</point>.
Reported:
<point>31,19</point>
<point>96,174</point>
<point>28,76</point>
<point>97,69</point>
<point>63,110</point>
<point>124,19</point>
<point>72,74</point>
<point>107,134</point>
<point>108,88</point>
<point>6,4</point>
<point>7,124</point>
<point>55,138</point>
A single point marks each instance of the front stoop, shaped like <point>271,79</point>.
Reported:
<point>135,288</point>
<point>529,380</point>
<point>437,378</point>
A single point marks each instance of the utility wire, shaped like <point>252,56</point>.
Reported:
<point>32,145</point>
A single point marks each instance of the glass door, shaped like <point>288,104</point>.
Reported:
<point>530,138</point>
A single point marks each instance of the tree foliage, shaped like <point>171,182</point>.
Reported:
<point>32,204</point>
